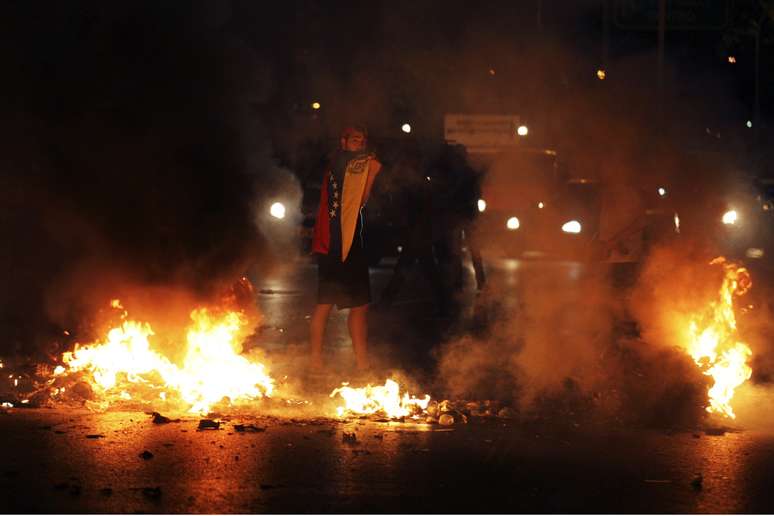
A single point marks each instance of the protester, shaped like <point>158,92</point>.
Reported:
<point>339,242</point>
<point>416,239</point>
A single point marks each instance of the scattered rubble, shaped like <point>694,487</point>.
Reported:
<point>249,428</point>
<point>349,438</point>
<point>154,493</point>
<point>209,424</point>
<point>158,419</point>
<point>446,419</point>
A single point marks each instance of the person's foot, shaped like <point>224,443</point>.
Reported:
<point>316,364</point>
<point>364,376</point>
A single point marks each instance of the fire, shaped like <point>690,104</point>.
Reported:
<point>384,399</point>
<point>125,367</point>
<point>713,340</point>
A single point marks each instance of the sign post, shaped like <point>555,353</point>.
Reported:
<point>482,134</point>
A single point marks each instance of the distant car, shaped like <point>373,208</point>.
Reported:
<point>745,221</point>
<point>736,221</point>
<point>530,209</point>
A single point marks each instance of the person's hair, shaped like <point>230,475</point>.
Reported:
<point>349,130</point>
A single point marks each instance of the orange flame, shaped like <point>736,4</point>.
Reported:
<point>212,368</point>
<point>384,399</point>
<point>713,341</point>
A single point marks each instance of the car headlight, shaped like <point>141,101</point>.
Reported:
<point>512,223</point>
<point>572,226</point>
<point>277,210</point>
<point>481,205</point>
<point>730,218</point>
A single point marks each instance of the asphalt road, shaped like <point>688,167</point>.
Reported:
<point>556,460</point>
<point>57,461</point>
<point>405,335</point>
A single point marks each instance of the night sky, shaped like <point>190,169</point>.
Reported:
<point>140,135</point>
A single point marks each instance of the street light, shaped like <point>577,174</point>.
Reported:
<point>277,210</point>
<point>730,217</point>
<point>316,105</point>
<point>601,74</point>
<point>406,128</point>
<point>732,59</point>
<point>522,130</point>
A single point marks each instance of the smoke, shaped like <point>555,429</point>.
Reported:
<point>546,338</point>
<point>136,156</point>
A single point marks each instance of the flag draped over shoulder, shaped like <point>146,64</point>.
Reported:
<point>355,177</point>
<point>340,203</point>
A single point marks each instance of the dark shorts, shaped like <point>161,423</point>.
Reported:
<point>344,284</point>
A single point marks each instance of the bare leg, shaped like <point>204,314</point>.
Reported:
<point>358,330</point>
<point>316,332</point>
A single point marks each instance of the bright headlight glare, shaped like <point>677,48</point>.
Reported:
<point>481,205</point>
<point>755,253</point>
<point>572,226</point>
<point>730,217</point>
<point>277,210</point>
<point>512,223</point>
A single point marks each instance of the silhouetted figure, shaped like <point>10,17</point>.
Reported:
<point>417,241</point>
<point>456,188</point>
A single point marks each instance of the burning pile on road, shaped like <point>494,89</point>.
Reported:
<point>713,341</point>
<point>383,400</point>
<point>124,366</point>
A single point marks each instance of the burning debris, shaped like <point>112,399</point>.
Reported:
<point>382,400</point>
<point>124,366</point>
<point>385,403</point>
<point>713,340</point>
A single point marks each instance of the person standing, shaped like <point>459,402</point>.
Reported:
<point>339,243</point>
<point>417,235</point>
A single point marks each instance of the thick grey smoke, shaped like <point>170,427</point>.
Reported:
<point>557,343</point>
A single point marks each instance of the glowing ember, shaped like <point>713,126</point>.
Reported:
<point>713,341</point>
<point>380,399</point>
<point>125,367</point>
